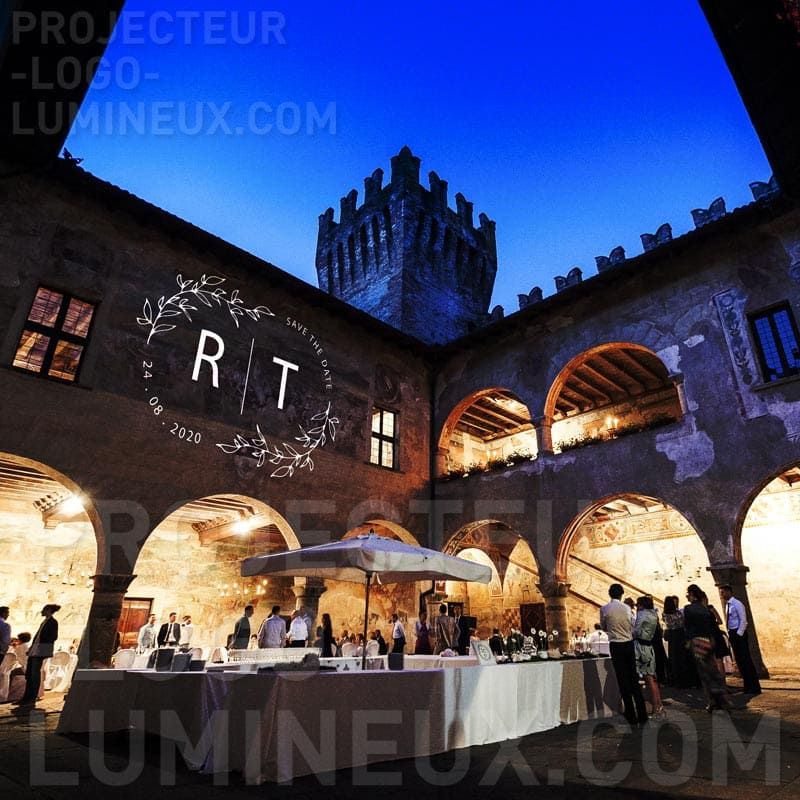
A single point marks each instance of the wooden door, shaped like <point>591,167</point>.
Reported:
<point>135,612</point>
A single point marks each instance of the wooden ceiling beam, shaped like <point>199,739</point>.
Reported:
<point>590,386</point>
<point>628,376</point>
<point>630,358</point>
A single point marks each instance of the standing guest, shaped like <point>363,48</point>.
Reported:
<point>327,636</point>
<point>496,642</point>
<point>41,648</point>
<point>699,626</point>
<point>241,631</point>
<point>272,632</point>
<point>398,635</point>
<point>644,633</point>
<point>721,648</point>
<point>736,616</point>
<point>169,634</point>
<point>187,631</point>
<point>445,632</point>
<point>422,647</point>
<point>5,631</point>
<point>632,606</point>
<point>615,619</point>
<point>298,630</point>
<point>383,647</point>
<point>463,631</point>
<point>146,639</point>
<point>598,641</point>
<point>676,643</point>
<point>662,664</point>
<point>21,649</point>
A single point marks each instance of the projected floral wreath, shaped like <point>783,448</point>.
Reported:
<point>161,317</point>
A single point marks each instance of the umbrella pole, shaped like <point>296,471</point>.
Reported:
<point>366,620</point>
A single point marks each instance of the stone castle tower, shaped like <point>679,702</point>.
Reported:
<point>406,258</point>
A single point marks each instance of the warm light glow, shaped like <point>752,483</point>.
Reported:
<point>245,525</point>
<point>72,506</point>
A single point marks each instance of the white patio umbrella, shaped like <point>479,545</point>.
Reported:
<point>363,557</point>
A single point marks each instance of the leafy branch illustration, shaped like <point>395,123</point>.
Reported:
<point>285,457</point>
<point>192,293</point>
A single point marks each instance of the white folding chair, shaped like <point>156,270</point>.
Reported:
<point>123,659</point>
<point>373,648</point>
<point>6,665</point>
<point>57,667</point>
<point>219,655</point>
<point>348,650</point>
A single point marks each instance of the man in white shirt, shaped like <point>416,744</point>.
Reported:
<point>615,620</point>
<point>187,631</point>
<point>736,616</point>
<point>146,640</point>
<point>598,641</point>
<point>298,630</point>
<point>398,635</point>
<point>273,630</point>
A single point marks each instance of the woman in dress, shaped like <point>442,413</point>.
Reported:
<point>721,648</point>
<point>699,627</point>
<point>644,631</point>
<point>423,643</point>
<point>676,642</point>
<point>327,636</point>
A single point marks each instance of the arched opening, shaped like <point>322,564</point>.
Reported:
<point>383,527</point>
<point>610,391</point>
<point>640,542</point>
<point>190,565</point>
<point>51,545</point>
<point>512,598</point>
<point>770,547</point>
<point>345,601</point>
<point>489,429</point>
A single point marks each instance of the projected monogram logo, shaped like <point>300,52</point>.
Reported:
<point>196,296</point>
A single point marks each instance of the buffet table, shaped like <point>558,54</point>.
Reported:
<point>275,726</point>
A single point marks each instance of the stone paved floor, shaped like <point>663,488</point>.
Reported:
<point>753,753</point>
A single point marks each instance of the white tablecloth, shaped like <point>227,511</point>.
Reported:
<point>280,725</point>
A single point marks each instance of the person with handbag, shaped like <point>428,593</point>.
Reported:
<point>41,649</point>
<point>699,625</point>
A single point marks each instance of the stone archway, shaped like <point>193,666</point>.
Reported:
<point>769,546</point>
<point>515,575</point>
<point>638,541</point>
<point>52,547</point>
<point>609,391</point>
<point>191,560</point>
<point>345,601</point>
<point>491,427</point>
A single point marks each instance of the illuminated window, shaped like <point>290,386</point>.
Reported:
<point>383,451</point>
<point>55,334</point>
<point>775,333</point>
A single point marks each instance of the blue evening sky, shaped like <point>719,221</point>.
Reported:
<point>576,126</point>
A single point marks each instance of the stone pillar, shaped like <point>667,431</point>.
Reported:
<point>307,592</point>
<point>736,575</point>
<point>97,644</point>
<point>555,610</point>
<point>544,435</point>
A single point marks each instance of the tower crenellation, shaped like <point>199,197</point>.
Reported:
<point>406,257</point>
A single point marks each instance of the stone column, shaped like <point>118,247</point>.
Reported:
<point>544,435</point>
<point>307,592</point>
<point>97,644</point>
<point>736,575</point>
<point>555,609</point>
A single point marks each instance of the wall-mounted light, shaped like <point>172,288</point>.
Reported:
<point>56,509</point>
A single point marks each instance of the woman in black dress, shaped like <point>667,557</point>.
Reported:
<point>327,636</point>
